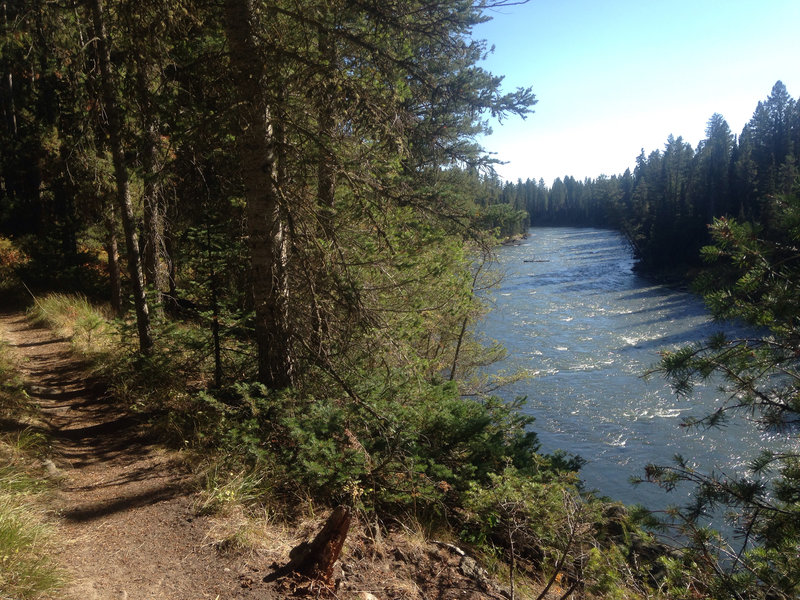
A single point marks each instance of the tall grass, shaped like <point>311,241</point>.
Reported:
<point>12,394</point>
<point>72,316</point>
<point>158,383</point>
<point>26,570</point>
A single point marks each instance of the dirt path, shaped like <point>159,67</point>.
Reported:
<point>127,510</point>
<point>127,517</point>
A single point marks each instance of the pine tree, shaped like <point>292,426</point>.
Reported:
<point>758,282</point>
<point>110,101</point>
<point>714,155</point>
<point>373,152</point>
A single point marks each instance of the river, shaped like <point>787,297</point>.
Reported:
<point>572,312</point>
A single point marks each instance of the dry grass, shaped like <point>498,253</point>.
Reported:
<point>26,571</point>
<point>89,327</point>
<point>26,537</point>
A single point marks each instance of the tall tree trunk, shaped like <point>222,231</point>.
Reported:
<point>266,227</point>
<point>154,271</point>
<point>112,250</point>
<point>8,88</point>
<point>110,101</point>
<point>215,337</point>
<point>326,173</point>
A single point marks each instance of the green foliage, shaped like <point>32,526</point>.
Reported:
<point>12,260</point>
<point>758,281</point>
<point>503,220</point>
<point>420,451</point>
<point>540,521</point>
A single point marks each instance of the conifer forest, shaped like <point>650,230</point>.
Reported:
<point>267,229</point>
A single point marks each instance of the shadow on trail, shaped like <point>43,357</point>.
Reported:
<point>152,474</point>
<point>124,503</point>
<point>42,343</point>
<point>45,393</point>
<point>18,426</point>
<point>110,430</point>
<point>110,460</point>
<point>121,438</point>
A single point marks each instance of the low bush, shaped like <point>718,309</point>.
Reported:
<point>542,525</point>
<point>12,259</point>
<point>416,453</point>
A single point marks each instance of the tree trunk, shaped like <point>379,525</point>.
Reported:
<point>154,272</point>
<point>326,171</point>
<point>9,109</point>
<point>215,337</point>
<point>112,250</point>
<point>265,225</point>
<point>110,101</point>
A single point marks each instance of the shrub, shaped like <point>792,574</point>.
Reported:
<point>542,521</point>
<point>12,259</point>
<point>416,452</point>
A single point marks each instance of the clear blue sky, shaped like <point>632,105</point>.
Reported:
<point>615,76</point>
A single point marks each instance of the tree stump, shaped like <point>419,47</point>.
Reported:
<point>316,559</point>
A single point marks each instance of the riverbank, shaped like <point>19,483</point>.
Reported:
<point>231,525</point>
<point>514,240</point>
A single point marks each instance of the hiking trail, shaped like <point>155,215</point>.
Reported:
<point>126,507</point>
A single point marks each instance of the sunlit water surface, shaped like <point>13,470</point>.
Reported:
<point>572,311</point>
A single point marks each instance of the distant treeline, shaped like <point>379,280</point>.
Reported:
<point>665,206</point>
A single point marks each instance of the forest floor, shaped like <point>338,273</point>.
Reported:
<point>126,509</point>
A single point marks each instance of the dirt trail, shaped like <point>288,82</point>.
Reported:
<point>127,517</point>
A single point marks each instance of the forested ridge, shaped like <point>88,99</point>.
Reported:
<point>664,207</point>
<point>267,226</point>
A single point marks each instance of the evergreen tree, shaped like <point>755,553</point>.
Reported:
<point>415,65</point>
<point>715,154</point>
<point>110,99</point>
<point>759,282</point>
<point>665,206</point>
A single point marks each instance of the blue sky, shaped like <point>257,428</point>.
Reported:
<point>615,76</point>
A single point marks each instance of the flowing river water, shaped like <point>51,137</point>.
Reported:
<point>572,312</point>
